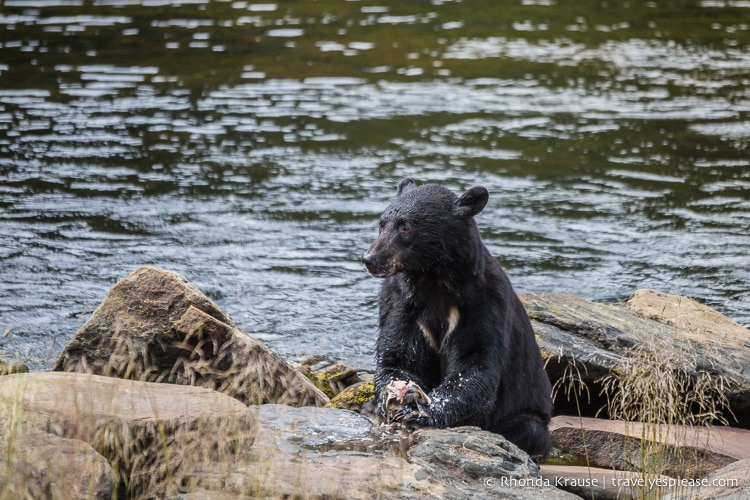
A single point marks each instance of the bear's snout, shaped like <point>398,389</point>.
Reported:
<point>370,260</point>
<point>380,260</point>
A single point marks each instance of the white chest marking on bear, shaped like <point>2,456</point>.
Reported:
<point>453,318</point>
<point>428,335</point>
<point>452,321</point>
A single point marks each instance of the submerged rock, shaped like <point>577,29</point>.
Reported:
<point>155,326</point>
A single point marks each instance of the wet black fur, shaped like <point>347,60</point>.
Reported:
<point>489,371</point>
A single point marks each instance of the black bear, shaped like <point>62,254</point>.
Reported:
<point>451,323</point>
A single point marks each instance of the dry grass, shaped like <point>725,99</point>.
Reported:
<point>572,385</point>
<point>661,388</point>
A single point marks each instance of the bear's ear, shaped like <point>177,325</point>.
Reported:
<point>405,186</point>
<point>472,201</point>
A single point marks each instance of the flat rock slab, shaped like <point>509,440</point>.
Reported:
<point>147,432</point>
<point>591,340</point>
<point>332,453</point>
<point>728,441</point>
<point>156,326</point>
<point>683,451</point>
<point>704,324</point>
<point>728,483</point>
<point>721,471</point>
<point>605,484</point>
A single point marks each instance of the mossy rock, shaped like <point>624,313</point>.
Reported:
<point>354,397</point>
<point>333,379</point>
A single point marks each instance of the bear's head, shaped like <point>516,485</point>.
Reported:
<point>426,229</point>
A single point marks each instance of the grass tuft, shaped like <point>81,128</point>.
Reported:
<point>661,389</point>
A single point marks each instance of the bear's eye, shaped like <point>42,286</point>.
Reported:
<point>404,228</point>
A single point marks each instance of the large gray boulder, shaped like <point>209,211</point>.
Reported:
<point>156,326</point>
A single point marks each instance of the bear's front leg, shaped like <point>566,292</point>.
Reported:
<point>462,398</point>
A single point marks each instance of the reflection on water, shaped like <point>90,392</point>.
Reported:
<point>251,147</point>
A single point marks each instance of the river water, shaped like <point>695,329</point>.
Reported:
<point>252,146</point>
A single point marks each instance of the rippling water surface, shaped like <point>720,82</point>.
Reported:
<point>252,146</point>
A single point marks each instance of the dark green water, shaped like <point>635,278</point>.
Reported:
<point>251,147</point>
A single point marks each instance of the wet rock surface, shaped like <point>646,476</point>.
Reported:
<point>285,428</point>
<point>341,454</point>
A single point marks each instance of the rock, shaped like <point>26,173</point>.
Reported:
<point>604,484</point>
<point>42,465</point>
<point>587,341</point>
<point>500,458</point>
<point>729,483</point>
<point>333,379</point>
<point>354,396</point>
<point>330,453</point>
<point>687,315</point>
<point>284,428</point>
<point>155,326</point>
<point>149,433</point>
<point>677,451</point>
<point>683,462</point>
